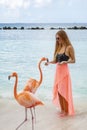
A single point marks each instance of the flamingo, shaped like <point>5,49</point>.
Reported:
<point>25,98</point>
<point>33,84</point>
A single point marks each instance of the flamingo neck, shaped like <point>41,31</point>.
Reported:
<point>40,80</point>
<point>15,87</point>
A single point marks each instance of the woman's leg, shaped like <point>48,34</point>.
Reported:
<point>63,104</point>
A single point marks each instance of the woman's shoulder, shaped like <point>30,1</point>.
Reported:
<point>69,47</point>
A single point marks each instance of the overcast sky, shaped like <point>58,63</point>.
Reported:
<point>43,11</point>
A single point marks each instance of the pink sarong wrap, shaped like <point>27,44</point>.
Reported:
<point>62,85</point>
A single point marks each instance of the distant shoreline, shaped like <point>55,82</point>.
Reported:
<point>42,28</point>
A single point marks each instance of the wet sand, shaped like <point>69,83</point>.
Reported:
<point>12,114</point>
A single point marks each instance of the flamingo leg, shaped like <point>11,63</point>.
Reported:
<point>24,120</point>
<point>34,114</point>
<point>32,118</point>
<point>25,114</point>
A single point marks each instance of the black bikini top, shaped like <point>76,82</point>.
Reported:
<point>62,57</point>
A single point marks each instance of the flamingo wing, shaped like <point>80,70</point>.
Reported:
<point>31,85</point>
<point>28,100</point>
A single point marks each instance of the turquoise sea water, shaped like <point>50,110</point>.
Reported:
<point>21,50</point>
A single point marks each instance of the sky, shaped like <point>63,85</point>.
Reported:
<point>43,11</point>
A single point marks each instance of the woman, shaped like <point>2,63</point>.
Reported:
<point>62,90</point>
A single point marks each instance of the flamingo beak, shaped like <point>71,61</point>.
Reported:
<point>47,60</point>
<point>9,77</point>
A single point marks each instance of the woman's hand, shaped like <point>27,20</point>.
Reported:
<point>47,63</point>
<point>50,62</point>
<point>63,62</point>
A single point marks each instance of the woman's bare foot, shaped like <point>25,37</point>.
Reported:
<point>63,114</point>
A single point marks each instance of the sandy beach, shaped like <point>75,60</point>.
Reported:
<point>12,114</point>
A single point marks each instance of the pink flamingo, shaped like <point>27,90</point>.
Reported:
<point>25,98</point>
<point>33,84</point>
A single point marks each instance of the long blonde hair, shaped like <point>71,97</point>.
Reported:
<point>64,38</point>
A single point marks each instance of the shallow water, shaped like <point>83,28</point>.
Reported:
<point>21,50</point>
